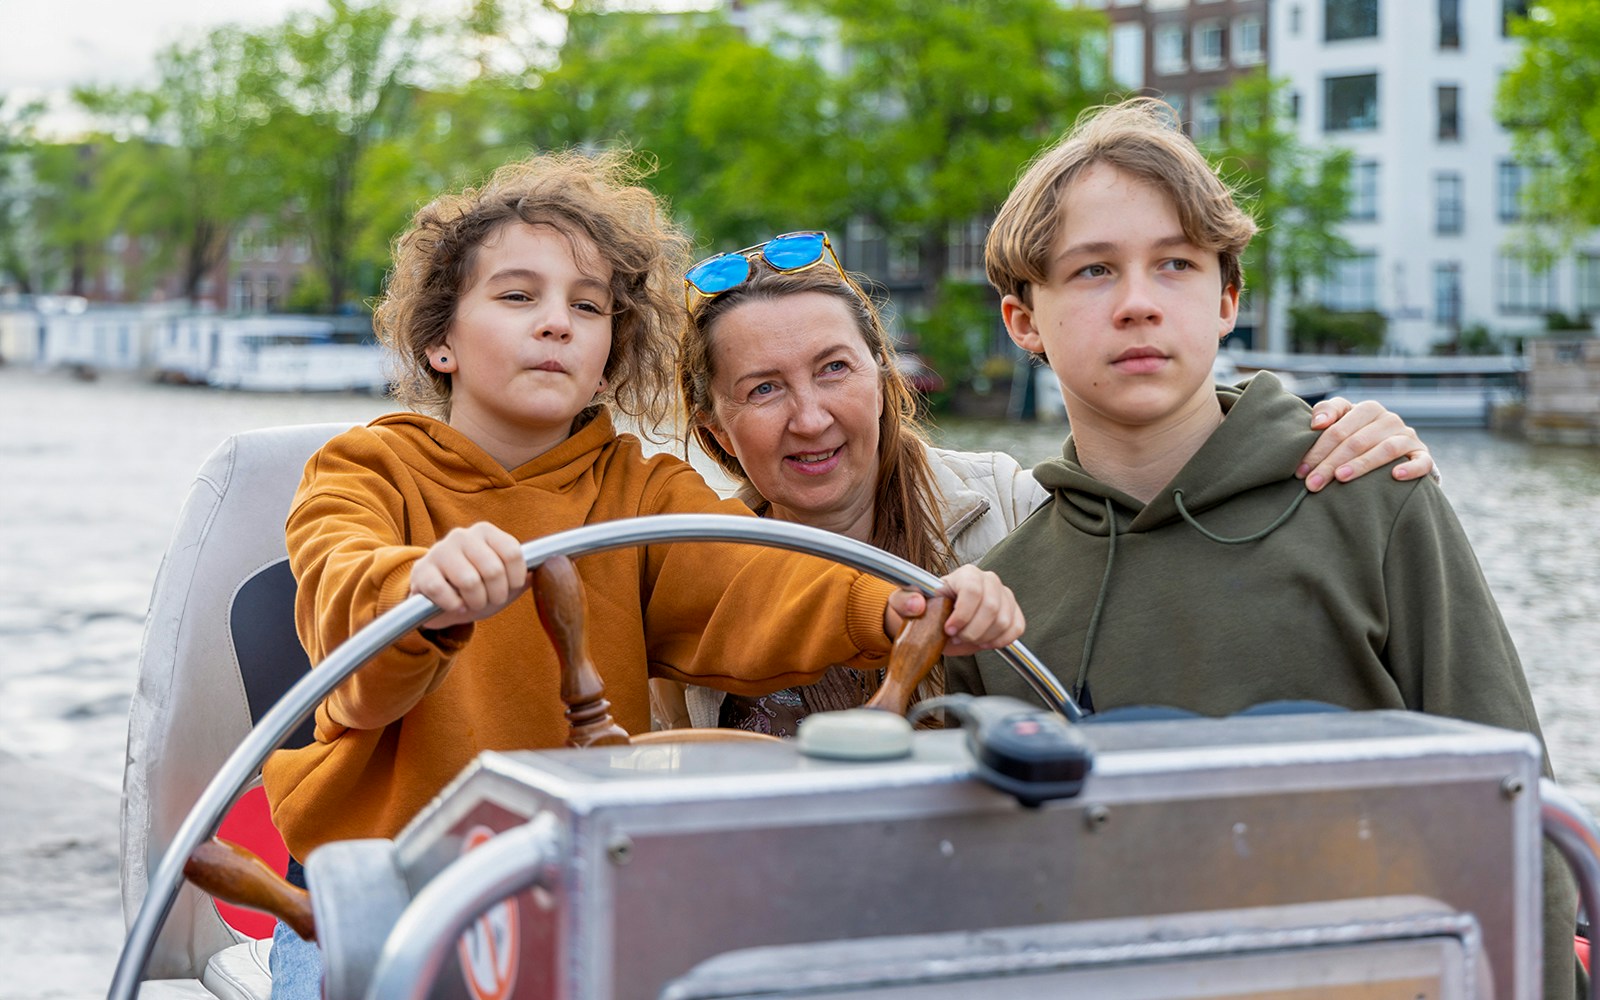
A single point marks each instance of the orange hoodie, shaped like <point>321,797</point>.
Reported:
<point>373,500</point>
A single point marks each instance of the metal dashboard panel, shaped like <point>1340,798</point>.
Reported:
<point>682,853</point>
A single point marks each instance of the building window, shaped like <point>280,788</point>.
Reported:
<point>1294,21</point>
<point>1520,288</point>
<point>1353,284</point>
<point>1510,190</point>
<point>1364,191</point>
<point>1207,117</point>
<point>1447,204</point>
<point>866,247</point>
<point>1343,19</point>
<point>1350,103</point>
<point>1248,43</point>
<point>1294,105</point>
<point>1449,24</point>
<point>1588,283</point>
<point>1447,294</point>
<point>1510,11</point>
<point>1514,180</point>
<point>905,259</point>
<point>1209,45</point>
<point>1127,55</point>
<point>243,294</point>
<point>1180,108</point>
<point>965,261</point>
<point>1449,101</point>
<point>1169,40</point>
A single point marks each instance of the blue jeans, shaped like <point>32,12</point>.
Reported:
<point>296,966</point>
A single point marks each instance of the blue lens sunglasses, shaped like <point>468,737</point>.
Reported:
<point>784,254</point>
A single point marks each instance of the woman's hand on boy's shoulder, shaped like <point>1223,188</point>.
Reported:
<point>470,574</point>
<point>984,614</point>
<point>1359,438</point>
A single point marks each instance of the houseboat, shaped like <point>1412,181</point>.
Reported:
<point>273,354</point>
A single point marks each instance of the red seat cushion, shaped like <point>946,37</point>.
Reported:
<point>249,825</point>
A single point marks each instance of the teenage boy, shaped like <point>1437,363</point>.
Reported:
<point>1117,257</point>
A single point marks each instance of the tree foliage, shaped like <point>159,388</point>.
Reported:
<point>17,241</point>
<point>739,134</point>
<point>1298,194</point>
<point>942,103</point>
<point>1547,102</point>
<point>189,170</point>
<point>335,83</point>
<point>912,115</point>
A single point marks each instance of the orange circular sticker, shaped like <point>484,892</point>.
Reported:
<point>488,949</point>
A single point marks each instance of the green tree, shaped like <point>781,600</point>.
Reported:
<point>67,227</point>
<point>17,121</point>
<point>1546,100</point>
<point>1298,194</point>
<point>334,85</point>
<point>942,102</point>
<point>911,115</point>
<point>192,172</point>
<point>740,135</point>
<point>473,104</point>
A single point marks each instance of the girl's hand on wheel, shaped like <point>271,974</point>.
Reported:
<point>470,574</point>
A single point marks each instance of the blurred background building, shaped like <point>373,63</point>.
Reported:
<point>1436,215</point>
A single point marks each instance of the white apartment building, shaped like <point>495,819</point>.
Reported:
<point>1436,218</point>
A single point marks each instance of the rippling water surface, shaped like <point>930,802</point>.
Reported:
<point>92,476</point>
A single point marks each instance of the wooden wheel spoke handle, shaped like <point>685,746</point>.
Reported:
<point>916,649</point>
<point>558,594</point>
<point>232,874</point>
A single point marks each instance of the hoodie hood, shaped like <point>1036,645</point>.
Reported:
<point>1207,479</point>
<point>438,452</point>
<point>1249,450</point>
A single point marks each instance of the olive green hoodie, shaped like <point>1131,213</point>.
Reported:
<point>1234,586</point>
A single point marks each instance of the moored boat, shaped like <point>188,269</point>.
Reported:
<point>1434,391</point>
<point>272,354</point>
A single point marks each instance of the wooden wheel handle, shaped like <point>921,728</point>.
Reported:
<point>558,594</point>
<point>916,649</point>
<point>232,874</point>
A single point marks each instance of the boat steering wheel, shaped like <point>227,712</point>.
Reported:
<point>299,701</point>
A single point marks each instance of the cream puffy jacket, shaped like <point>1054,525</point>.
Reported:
<point>983,494</point>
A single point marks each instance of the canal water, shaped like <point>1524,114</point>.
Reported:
<point>91,478</point>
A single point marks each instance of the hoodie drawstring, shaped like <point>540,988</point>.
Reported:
<point>1080,689</point>
<point>1177,498</point>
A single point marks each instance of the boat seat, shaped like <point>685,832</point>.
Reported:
<point>219,649</point>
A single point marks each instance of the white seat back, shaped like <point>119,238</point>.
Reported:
<point>219,648</point>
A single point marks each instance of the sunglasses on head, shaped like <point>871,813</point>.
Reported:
<point>784,254</point>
